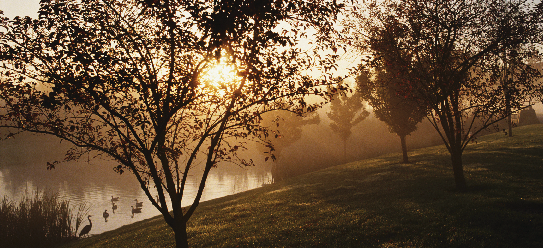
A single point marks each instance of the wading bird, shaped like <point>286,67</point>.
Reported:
<point>87,228</point>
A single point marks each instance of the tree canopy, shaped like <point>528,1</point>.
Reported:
<point>449,46</point>
<point>385,82</point>
<point>135,81</point>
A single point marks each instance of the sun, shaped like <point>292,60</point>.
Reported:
<point>221,75</point>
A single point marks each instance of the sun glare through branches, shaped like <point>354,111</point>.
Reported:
<point>222,75</point>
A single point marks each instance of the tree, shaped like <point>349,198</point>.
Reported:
<point>386,86</point>
<point>345,113</point>
<point>399,113</point>
<point>285,128</point>
<point>137,81</point>
<point>451,44</point>
<point>512,66</point>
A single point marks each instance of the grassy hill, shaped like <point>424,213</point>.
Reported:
<point>377,203</point>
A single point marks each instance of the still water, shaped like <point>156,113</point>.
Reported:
<point>93,182</point>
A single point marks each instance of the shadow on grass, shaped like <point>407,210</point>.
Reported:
<point>378,203</point>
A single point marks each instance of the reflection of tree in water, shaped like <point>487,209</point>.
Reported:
<point>23,166</point>
<point>232,179</point>
<point>286,128</point>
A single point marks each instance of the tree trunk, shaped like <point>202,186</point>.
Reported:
<point>344,151</point>
<point>510,125</point>
<point>181,237</point>
<point>508,112</point>
<point>507,97</point>
<point>404,149</point>
<point>458,170</point>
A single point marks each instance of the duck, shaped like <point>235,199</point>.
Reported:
<point>105,214</point>
<point>138,204</point>
<point>135,211</point>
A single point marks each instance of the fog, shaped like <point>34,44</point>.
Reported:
<point>319,147</point>
<point>92,181</point>
<point>24,159</point>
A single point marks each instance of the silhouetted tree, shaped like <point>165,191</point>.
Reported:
<point>401,114</point>
<point>285,128</point>
<point>345,113</point>
<point>134,81</point>
<point>508,69</point>
<point>450,44</point>
<point>536,62</point>
<point>384,83</point>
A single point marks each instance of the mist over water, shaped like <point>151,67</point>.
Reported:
<point>93,182</point>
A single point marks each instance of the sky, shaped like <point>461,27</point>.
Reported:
<point>14,8</point>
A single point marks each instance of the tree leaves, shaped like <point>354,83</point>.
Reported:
<point>441,53</point>
<point>124,79</point>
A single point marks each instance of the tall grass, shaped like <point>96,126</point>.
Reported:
<point>39,221</point>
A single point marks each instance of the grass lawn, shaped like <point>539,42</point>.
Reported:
<point>377,203</point>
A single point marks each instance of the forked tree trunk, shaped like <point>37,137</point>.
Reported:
<point>458,170</point>
<point>404,149</point>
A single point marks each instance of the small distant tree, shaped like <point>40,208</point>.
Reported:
<point>401,114</point>
<point>285,128</point>
<point>137,81</point>
<point>384,83</point>
<point>345,113</point>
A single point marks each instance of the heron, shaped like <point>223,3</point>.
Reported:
<point>138,204</point>
<point>87,228</point>
<point>105,214</point>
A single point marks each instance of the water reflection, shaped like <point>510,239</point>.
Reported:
<point>23,171</point>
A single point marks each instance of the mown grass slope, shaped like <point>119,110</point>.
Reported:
<point>377,203</point>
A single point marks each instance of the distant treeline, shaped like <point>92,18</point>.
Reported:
<point>320,148</point>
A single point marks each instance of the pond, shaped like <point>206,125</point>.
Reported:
<point>93,182</point>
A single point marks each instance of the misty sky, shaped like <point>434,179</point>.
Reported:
<point>14,8</point>
<point>30,8</point>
